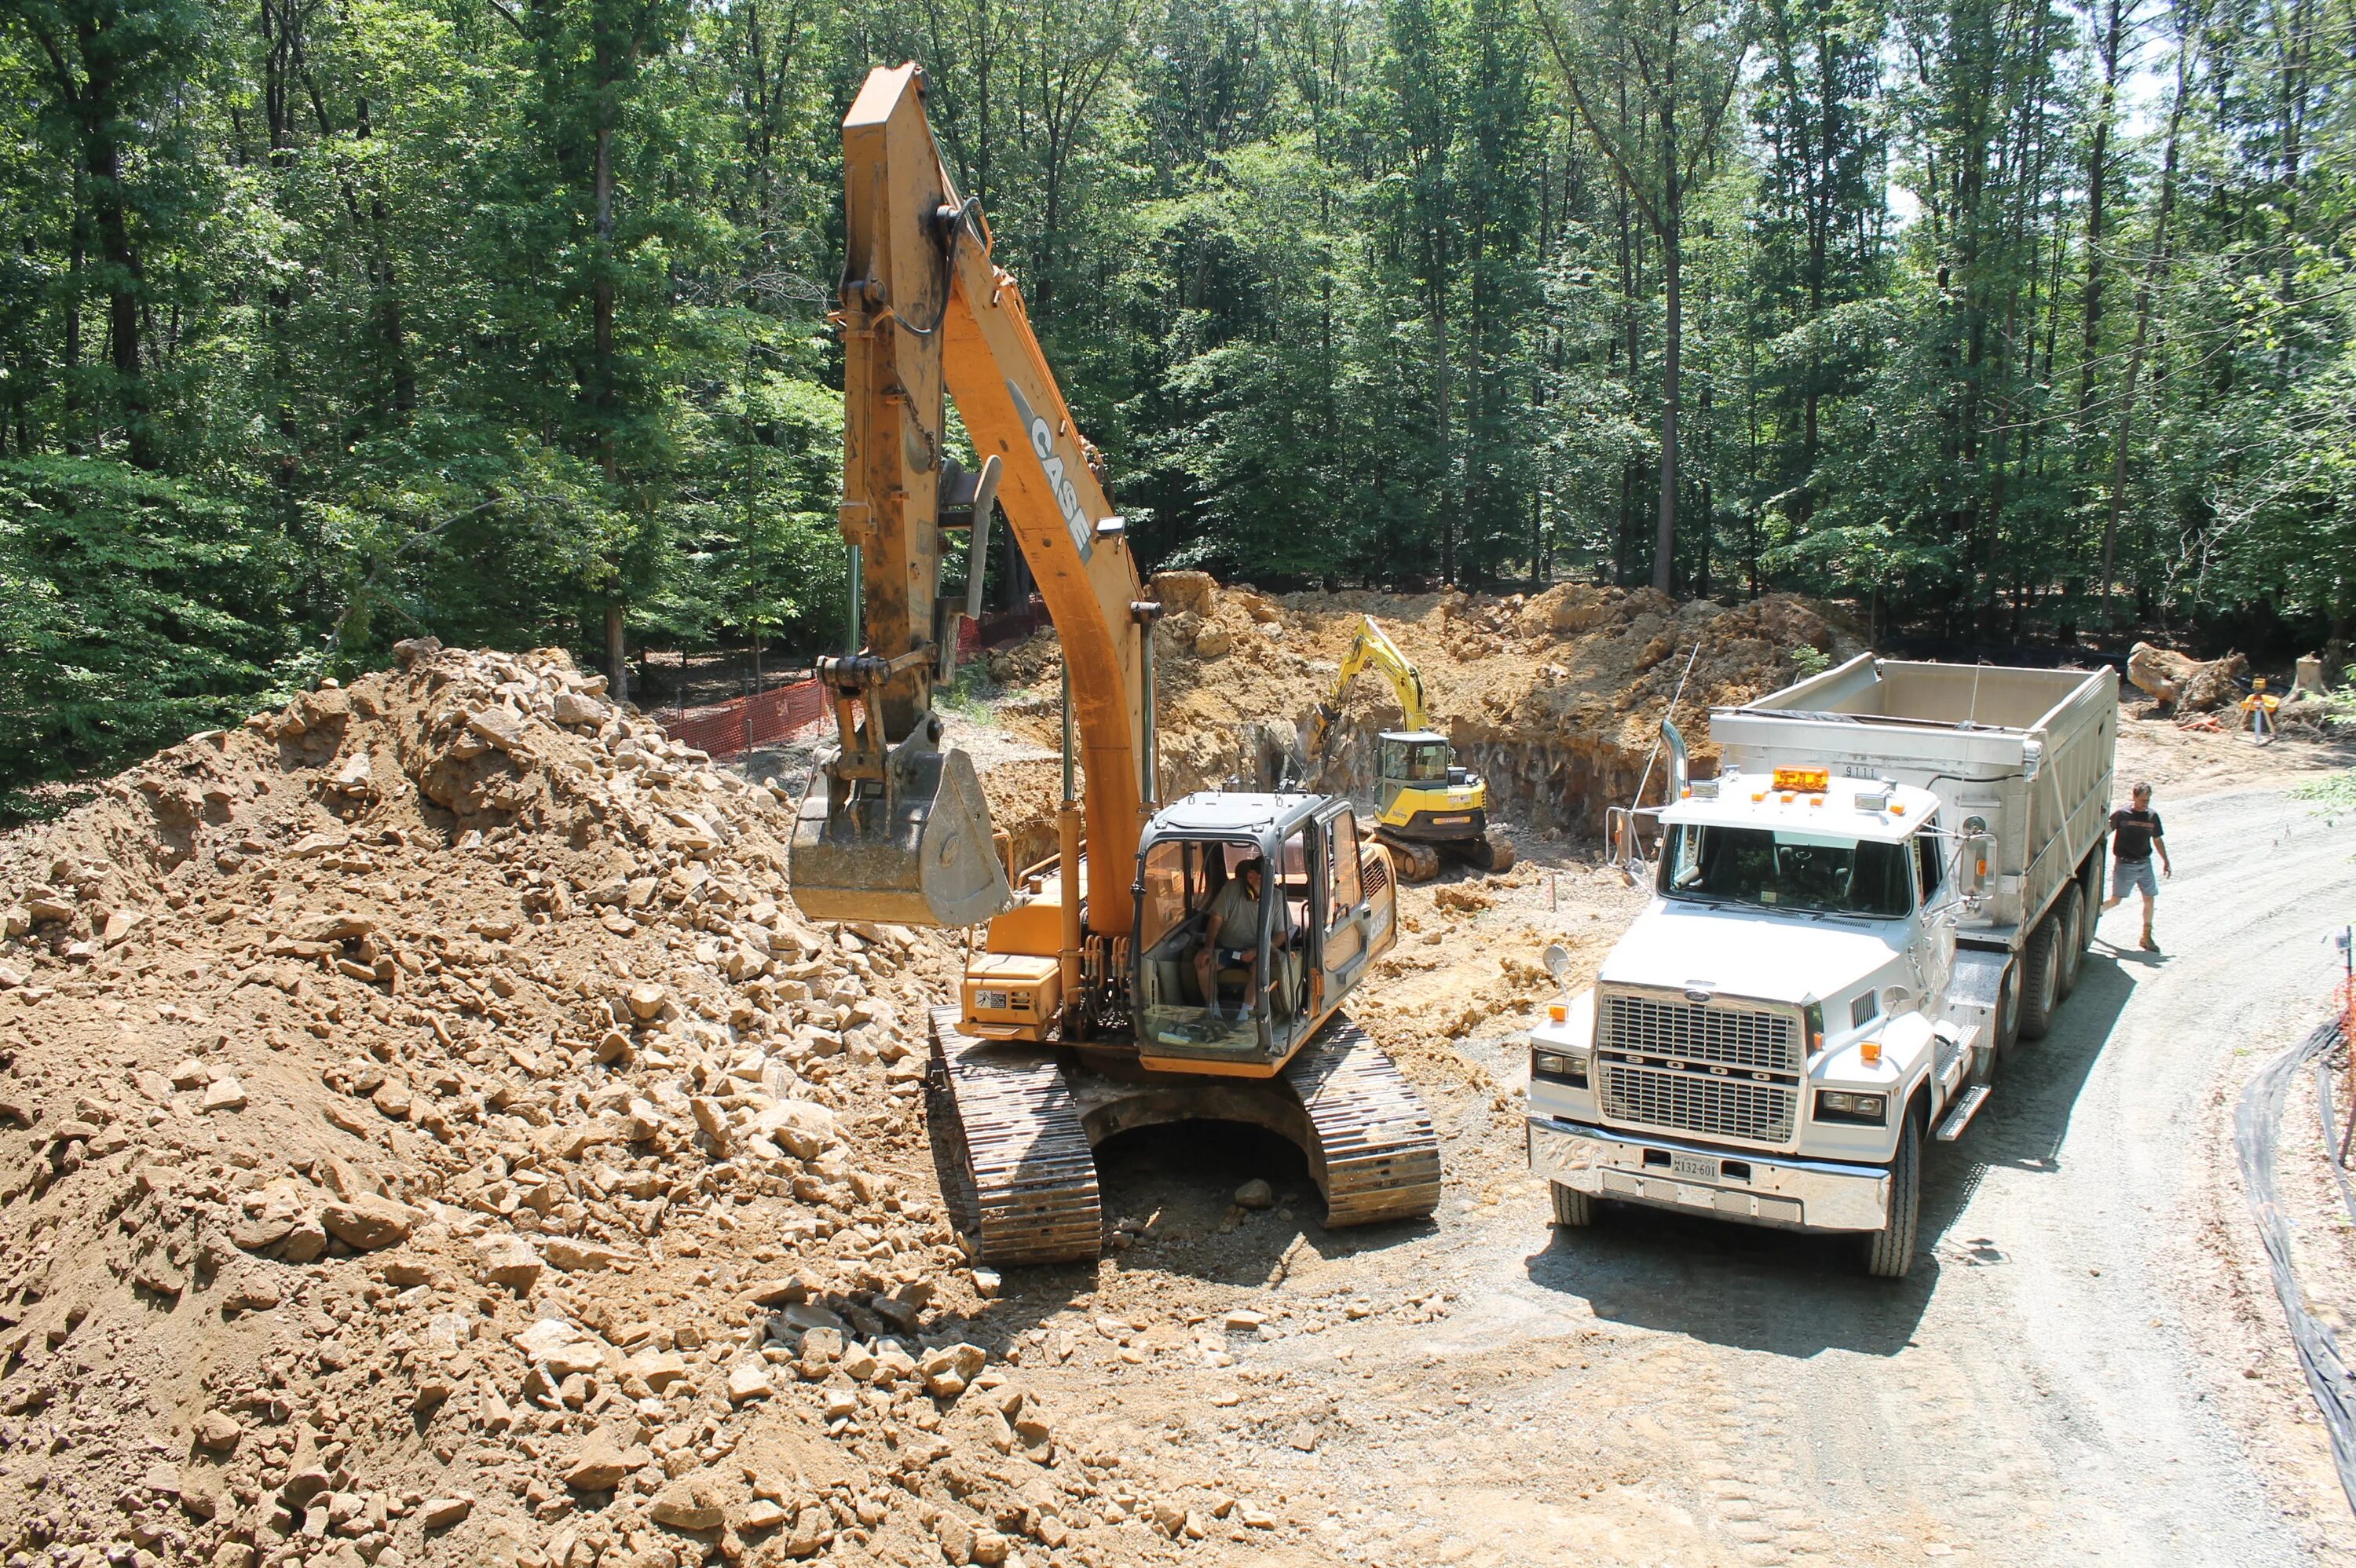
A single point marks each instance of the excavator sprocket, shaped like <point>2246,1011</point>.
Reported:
<point>1417,862</point>
<point>1376,1156</point>
<point>1014,1159</point>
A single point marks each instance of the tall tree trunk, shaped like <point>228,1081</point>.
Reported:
<point>2097,179</point>
<point>2146,291</point>
<point>119,270</point>
<point>1664,538</point>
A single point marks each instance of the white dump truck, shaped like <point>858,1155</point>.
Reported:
<point>1891,879</point>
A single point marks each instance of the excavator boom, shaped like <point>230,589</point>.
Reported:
<point>896,829</point>
<point>1372,645</point>
<point>1072,1024</point>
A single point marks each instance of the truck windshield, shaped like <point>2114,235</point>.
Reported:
<point>1775,869</point>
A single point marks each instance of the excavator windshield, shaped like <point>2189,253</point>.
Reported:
<point>1415,758</point>
<point>1202,926</point>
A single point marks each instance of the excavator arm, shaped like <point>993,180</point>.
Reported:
<point>1373,646</point>
<point>895,827</point>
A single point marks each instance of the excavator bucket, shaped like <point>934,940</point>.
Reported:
<point>918,852</point>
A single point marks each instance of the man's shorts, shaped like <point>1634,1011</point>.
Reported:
<point>2134,876</point>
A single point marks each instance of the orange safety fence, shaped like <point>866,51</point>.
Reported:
<point>784,713</point>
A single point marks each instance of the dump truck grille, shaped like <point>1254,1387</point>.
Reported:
<point>1719,1069</point>
<point>1685,1102</point>
<point>1721,1035</point>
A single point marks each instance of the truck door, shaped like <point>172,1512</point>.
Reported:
<point>1933,947</point>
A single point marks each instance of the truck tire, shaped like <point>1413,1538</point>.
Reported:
<point>2090,891</point>
<point>2041,978</point>
<point>1890,1251</point>
<point>1571,1207</point>
<point>2008,1016</point>
<point>2071,948</point>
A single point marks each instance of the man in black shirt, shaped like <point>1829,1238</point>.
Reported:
<point>2136,832</point>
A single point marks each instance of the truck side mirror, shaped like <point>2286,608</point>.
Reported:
<point>1975,860</point>
<point>1557,964</point>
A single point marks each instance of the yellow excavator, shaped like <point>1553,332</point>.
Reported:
<point>1171,961</point>
<point>1429,806</point>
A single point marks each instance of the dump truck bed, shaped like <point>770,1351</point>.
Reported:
<point>2029,752</point>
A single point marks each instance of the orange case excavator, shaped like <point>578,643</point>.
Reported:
<point>1171,961</point>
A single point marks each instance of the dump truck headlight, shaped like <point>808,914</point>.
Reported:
<point>1839,1105</point>
<point>1562,1066</point>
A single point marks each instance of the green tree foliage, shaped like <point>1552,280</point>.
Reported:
<point>325,323</point>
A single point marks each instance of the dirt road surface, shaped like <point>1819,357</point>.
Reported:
<point>2085,1365</point>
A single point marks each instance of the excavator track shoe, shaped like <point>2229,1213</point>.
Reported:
<point>1018,1173</point>
<point>1376,1156</point>
<point>1417,862</point>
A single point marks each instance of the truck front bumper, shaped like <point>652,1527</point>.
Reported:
<point>1779,1190</point>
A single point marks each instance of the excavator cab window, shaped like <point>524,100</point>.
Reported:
<point>1200,994</point>
<point>1415,761</point>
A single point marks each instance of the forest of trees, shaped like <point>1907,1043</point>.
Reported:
<point>325,323</point>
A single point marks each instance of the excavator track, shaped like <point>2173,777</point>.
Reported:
<point>1011,1129</point>
<point>1376,1156</point>
<point>1417,862</point>
<point>1014,1159</point>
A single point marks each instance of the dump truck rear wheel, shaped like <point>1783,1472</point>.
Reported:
<point>2007,1015</point>
<point>1890,1251</point>
<point>2040,978</point>
<point>2071,948</point>
<point>1572,1206</point>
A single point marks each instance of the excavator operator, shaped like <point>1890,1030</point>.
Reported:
<point>1233,918</point>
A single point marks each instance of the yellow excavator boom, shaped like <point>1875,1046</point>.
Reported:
<point>1372,645</point>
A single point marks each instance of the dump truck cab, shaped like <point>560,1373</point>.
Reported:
<point>1230,980</point>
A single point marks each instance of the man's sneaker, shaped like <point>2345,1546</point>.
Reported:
<point>2148,944</point>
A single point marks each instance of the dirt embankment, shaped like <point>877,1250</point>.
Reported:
<point>1554,699</point>
<point>428,1135</point>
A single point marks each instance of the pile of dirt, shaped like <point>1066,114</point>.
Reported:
<point>427,1135</point>
<point>1554,697</point>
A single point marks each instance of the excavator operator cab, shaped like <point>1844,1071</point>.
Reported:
<point>1413,757</point>
<point>1253,919</point>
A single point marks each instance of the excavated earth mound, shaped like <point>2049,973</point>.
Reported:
<point>1555,699</point>
<point>428,1135</point>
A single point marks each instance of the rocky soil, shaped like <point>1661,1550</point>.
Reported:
<point>1554,699</point>
<point>427,1135</point>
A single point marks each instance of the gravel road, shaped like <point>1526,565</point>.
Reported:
<point>2075,1372</point>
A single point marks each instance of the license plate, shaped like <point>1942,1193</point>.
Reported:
<point>1694,1166</point>
<point>998,1001</point>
